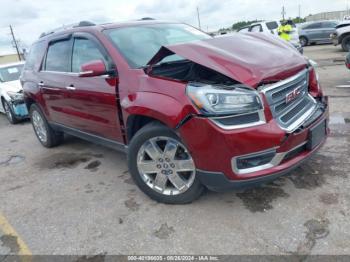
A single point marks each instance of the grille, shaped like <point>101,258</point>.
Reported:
<point>292,112</point>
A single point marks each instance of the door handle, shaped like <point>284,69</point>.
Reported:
<point>41,83</point>
<point>70,87</point>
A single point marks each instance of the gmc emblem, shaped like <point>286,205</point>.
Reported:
<point>292,95</point>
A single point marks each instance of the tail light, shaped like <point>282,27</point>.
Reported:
<point>314,85</point>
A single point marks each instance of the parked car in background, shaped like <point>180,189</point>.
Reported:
<point>342,35</point>
<point>317,32</point>
<point>11,92</point>
<point>190,111</point>
<point>271,27</point>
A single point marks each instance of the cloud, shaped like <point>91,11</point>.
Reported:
<point>30,18</point>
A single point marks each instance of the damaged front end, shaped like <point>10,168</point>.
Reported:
<point>17,104</point>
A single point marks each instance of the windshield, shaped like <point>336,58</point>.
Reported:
<point>138,44</point>
<point>10,73</point>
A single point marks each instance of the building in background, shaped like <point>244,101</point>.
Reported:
<point>336,15</point>
<point>10,58</point>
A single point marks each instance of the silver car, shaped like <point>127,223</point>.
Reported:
<point>317,32</point>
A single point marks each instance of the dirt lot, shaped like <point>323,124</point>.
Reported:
<point>79,198</point>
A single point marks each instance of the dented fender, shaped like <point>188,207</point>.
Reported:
<point>161,107</point>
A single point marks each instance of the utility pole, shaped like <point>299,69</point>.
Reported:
<point>283,13</point>
<point>299,11</point>
<point>199,20</point>
<point>15,43</point>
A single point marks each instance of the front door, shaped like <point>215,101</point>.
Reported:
<point>91,101</point>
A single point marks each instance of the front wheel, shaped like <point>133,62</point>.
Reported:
<point>162,166</point>
<point>303,41</point>
<point>11,117</point>
<point>345,44</point>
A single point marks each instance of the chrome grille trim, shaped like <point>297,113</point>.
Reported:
<point>290,114</point>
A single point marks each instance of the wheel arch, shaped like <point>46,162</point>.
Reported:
<point>152,107</point>
<point>342,36</point>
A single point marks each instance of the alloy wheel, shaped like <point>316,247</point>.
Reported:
<point>39,126</point>
<point>166,166</point>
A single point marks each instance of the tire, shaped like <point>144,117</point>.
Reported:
<point>43,131</point>
<point>303,41</point>
<point>345,43</point>
<point>167,166</point>
<point>11,117</point>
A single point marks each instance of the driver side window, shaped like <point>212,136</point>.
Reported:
<point>84,51</point>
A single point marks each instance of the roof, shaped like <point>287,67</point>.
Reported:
<point>101,27</point>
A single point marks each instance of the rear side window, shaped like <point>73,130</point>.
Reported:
<point>313,26</point>
<point>84,51</point>
<point>272,25</point>
<point>329,24</point>
<point>35,55</point>
<point>256,28</point>
<point>57,58</point>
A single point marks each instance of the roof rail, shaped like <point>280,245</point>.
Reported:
<point>65,27</point>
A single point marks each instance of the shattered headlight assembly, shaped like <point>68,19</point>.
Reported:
<point>15,96</point>
<point>229,107</point>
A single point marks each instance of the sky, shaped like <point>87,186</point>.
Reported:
<point>30,18</point>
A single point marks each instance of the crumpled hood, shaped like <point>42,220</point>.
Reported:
<point>252,58</point>
<point>12,86</point>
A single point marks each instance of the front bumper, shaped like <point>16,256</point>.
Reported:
<point>214,150</point>
<point>19,109</point>
<point>335,39</point>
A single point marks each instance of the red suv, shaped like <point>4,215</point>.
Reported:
<point>191,111</point>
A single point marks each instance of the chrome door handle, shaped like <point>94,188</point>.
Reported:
<point>41,84</point>
<point>70,88</point>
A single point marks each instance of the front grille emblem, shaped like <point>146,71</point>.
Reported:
<point>292,95</point>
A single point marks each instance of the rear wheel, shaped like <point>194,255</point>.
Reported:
<point>162,167</point>
<point>303,41</point>
<point>9,112</point>
<point>345,43</point>
<point>44,132</point>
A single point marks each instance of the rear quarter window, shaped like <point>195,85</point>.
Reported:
<point>35,56</point>
<point>272,25</point>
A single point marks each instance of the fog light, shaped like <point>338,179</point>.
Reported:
<point>255,160</point>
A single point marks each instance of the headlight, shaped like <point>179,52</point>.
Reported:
<point>224,100</point>
<point>15,96</point>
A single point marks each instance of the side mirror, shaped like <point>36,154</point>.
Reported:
<point>93,68</point>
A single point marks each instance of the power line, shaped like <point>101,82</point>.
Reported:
<point>199,20</point>
<point>283,13</point>
<point>15,43</point>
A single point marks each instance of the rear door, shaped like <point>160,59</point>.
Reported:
<point>92,101</point>
<point>314,32</point>
<point>53,78</point>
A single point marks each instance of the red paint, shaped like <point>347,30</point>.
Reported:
<point>314,86</point>
<point>93,68</point>
<point>94,105</point>
<point>247,58</point>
